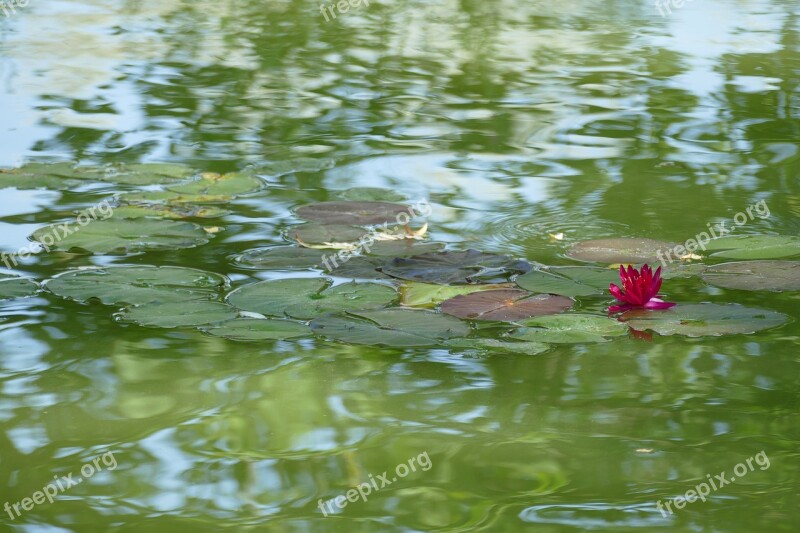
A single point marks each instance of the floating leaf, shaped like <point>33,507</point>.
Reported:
<point>357,213</point>
<point>755,246</point>
<point>404,248</point>
<point>755,275</point>
<point>357,267</point>
<point>525,348</point>
<point>539,281</point>
<point>598,278</point>
<point>14,287</point>
<point>370,194</point>
<point>698,320</point>
<point>682,270</point>
<point>620,250</point>
<point>123,236</point>
<point>209,188</point>
<point>67,175</point>
<point>417,294</point>
<point>391,327</point>
<point>137,285</point>
<point>505,305</point>
<point>570,328</point>
<point>258,329</point>
<point>178,314</point>
<point>325,233</point>
<point>291,165</point>
<point>168,211</point>
<point>279,258</point>
<point>445,268</point>
<point>309,297</point>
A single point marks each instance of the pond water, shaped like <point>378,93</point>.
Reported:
<point>528,127</point>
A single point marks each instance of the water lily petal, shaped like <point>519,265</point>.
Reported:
<point>656,303</point>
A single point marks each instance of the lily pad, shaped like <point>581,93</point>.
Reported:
<point>209,188</point>
<point>446,268</point>
<point>357,213</point>
<point>755,275</point>
<point>391,327</point>
<point>258,329</point>
<point>505,305</point>
<point>67,175</point>
<point>598,278</point>
<point>178,314</point>
<point>169,211</point>
<point>620,250</point>
<point>122,236</point>
<point>279,258</point>
<point>491,345</point>
<point>325,233</point>
<point>544,282</point>
<point>14,287</point>
<point>417,294</point>
<point>405,248</point>
<point>706,319</point>
<point>755,246</point>
<point>570,328</point>
<point>358,267</point>
<point>309,297</point>
<point>137,285</point>
<point>371,194</point>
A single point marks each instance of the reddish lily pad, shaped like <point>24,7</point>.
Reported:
<point>356,213</point>
<point>706,319</point>
<point>445,268</point>
<point>505,305</point>
<point>767,275</point>
<point>620,250</point>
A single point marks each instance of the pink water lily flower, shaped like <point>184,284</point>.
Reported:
<point>639,290</point>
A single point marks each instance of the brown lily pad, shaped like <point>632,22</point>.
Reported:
<point>505,305</point>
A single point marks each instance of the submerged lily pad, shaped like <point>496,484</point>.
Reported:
<point>259,329</point>
<point>279,258</point>
<point>544,282</point>
<point>137,285</point>
<point>309,297</point>
<point>570,328</point>
<point>417,294</point>
<point>14,287</point>
<point>620,250</point>
<point>391,327</point>
<point>519,347</point>
<point>178,314</point>
<point>698,320</point>
<point>356,213</point>
<point>755,246</point>
<point>325,233</point>
<point>445,268</point>
<point>505,305</point>
<point>123,236</point>
<point>755,275</point>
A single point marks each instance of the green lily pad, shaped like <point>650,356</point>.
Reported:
<point>258,329</point>
<point>391,327</point>
<point>169,211</point>
<point>417,294</point>
<point>706,319</point>
<point>570,328</point>
<point>356,213</point>
<point>755,275</point>
<point>358,267</point>
<point>15,287</point>
<point>24,181</point>
<point>620,250</point>
<point>491,345</point>
<point>178,314</point>
<point>682,270</point>
<point>309,297</point>
<point>137,285</point>
<point>371,194</point>
<point>505,305</point>
<point>755,246</point>
<point>122,236</point>
<point>67,175</point>
<point>598,278</point>
<point>544,282</point>
<point>404,248</point>
<point>318,234</point>
<point>446,268</point>
<point>280,258</point>
<point>209,188</point>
